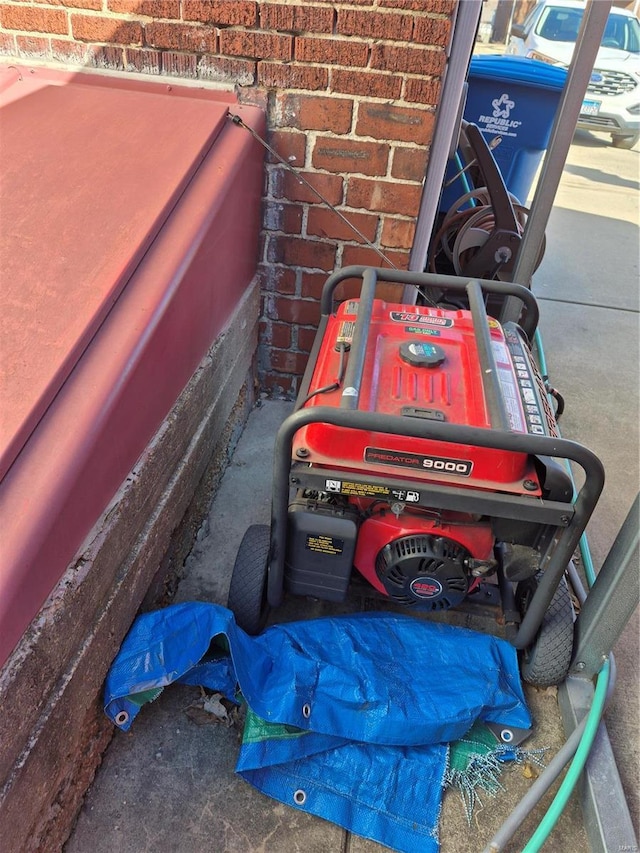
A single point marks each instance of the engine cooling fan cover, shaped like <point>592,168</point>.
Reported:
<point>423,571</point>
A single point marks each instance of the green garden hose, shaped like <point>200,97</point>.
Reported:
<point>577,765</point>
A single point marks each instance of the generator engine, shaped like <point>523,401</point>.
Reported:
<point>369,505</point>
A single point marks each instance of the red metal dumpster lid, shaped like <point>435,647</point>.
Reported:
<point>87,182</point>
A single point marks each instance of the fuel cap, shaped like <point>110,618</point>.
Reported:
<point>422,354</point>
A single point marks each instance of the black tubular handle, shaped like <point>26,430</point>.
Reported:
<point>454,283</point>
<point>353,376</point>
<point>498,417</point>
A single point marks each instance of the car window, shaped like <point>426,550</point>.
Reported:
<point>558,24</point>
<point>629,35</point>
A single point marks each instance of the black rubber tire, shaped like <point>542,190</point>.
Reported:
<point>625,142</point>
<point>248,590</point>
<point>546,661</point>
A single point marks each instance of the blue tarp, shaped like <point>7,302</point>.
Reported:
<point>370,703</point>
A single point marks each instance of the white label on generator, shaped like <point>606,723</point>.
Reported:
<point>510,392</point>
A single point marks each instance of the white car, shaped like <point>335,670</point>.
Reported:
<point>612,99</point>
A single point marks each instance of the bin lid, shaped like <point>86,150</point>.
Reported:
<point>518,69</point>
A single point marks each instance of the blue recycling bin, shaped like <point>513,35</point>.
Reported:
<point>517,99</point>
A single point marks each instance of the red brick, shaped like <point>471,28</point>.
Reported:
<point>433,31</point>
<point>286,361</point>
<point>398,233</point>
<point>347,155</point>
<point>224,13</point>
<point>287,185</point>
<point>331,51</point>
<point>299,252</point>
<point>225,70</point>
<point>282,217</point>
<point>277,279</point>
<point>186,37</point>
<point>280,75</point>
<point>351,2</point>
<point>306,337</point>
<point>143,61</point>
<point>436,7</point>
<point>179,64</point>
<point>34,19</point>
<point>325,223</point>
<point>366,83</point>
<point>96,5</point>
<point>363,256</point>
<point>385,196</point>
<point>255,44</point>
<point>409,164</point>
<point>290,145</point>
<point>96,29</point>
<point>314,112</point>
<point>312,284</point>
<point>276,334</point>
<point>73,52</point>
<point>295,19</point>
<point>33,46</point>
<point>107,56</point>
<point>384,121</point>
<point>7,43</point>
<point>305,312</point>
<point>378,25</point>
<point>420,90</point>
<point>148,8</point>
<point>409,60</point>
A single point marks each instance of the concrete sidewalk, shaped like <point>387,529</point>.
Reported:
<point>169,783</point>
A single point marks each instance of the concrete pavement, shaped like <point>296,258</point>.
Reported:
<point>169,783</point>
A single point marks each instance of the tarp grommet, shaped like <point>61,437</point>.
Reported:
<point>122,718</point>
<point>306,711</point>
<point>300,797</point>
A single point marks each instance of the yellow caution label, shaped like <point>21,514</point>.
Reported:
<point>364,490</point>
<point>325,545</point>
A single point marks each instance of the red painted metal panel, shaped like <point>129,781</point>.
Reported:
<point>115,160</point>
<point>140,356</point>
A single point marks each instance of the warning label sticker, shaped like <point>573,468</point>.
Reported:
<point>324,544</point>
<point>417,330</point>
<point>361,490</point>
<point>345,335</point>
<point>426,319</point>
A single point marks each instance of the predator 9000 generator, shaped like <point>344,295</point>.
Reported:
<point>423,452</point>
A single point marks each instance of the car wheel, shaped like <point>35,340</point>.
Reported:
<point>625,142</point>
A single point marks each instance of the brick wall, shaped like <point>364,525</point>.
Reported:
<point>350,91</point>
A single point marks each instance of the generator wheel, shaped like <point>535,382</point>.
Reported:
<point>546,661</point>
<point>248,590</point>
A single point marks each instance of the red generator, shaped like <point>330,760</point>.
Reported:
<point>424,452</point>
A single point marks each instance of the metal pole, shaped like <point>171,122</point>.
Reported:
<point>446,131</point>
<point>611,600</point>
<point>584,56</point>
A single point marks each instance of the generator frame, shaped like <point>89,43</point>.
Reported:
<point>568,518</point>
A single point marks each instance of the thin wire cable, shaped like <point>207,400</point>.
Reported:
<point>237,120</point>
